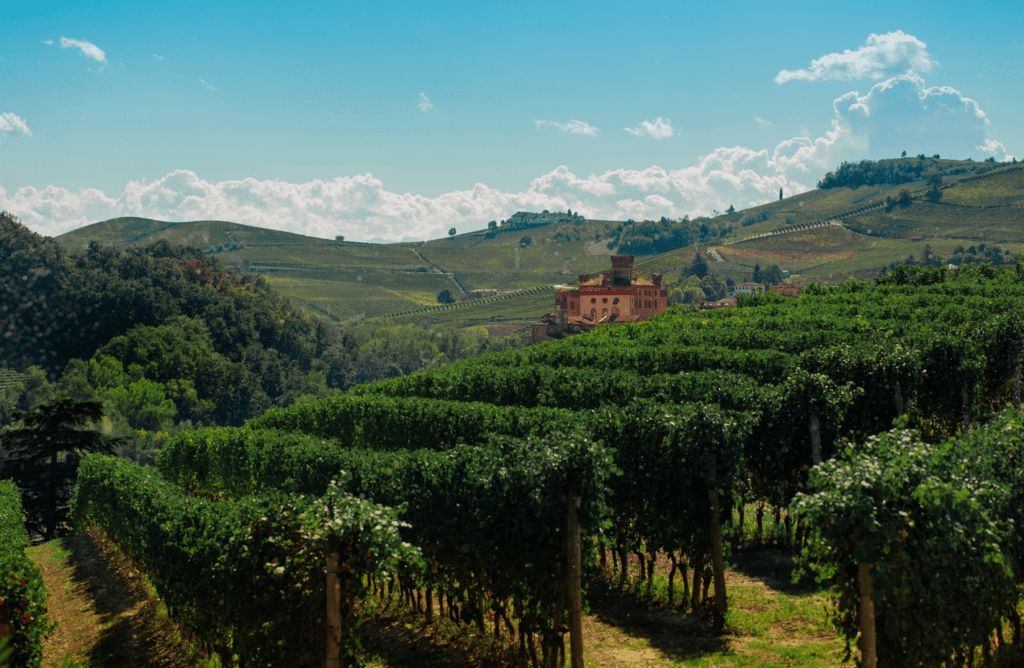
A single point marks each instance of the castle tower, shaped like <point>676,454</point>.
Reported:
<point>622,269</point>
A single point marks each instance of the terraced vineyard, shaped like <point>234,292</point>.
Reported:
<point>345,280</point>
<point>661,430</point>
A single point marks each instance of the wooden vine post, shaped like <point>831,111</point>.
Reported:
<point>1016,382</point>
<point>333,612</point>
<point>574,599</point>
<point>965,396</point>
<point>815,437</point>
<point>717,561</point>
<point>6,639</point>
<point>868,654</point>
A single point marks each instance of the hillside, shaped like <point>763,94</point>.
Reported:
<point>979,203</point>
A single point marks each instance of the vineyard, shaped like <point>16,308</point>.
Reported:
<point>461,489</point>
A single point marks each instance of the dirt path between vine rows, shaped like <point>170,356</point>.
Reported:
<point>107,617</point>
<point>104,613</point>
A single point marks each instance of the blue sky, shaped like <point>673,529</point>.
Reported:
<point>384,119</point>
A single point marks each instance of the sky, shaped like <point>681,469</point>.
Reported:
<point>391,119</point>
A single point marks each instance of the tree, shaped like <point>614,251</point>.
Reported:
<point>758,277</point>
<point>493,225</point>
<point>340,237</point>
<point>526,241</point>
<point>699,267</point>
<point>445,297</point>
<point>904,199</point>
<point>451,233</point>
<point>772,275</point>
<point>934,187</point>
<point>780,194</point>
<point>44,453</point>
<point>731,209</point>
<point>904,154</point>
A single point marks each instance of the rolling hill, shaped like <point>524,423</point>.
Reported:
<point>825,234</point>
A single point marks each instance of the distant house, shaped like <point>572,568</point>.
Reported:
<point>746,289</point>
<point>526,219</point>
<point>614,296</point>
<point>785,290</point>
<point>482,293</point>
<point>728,302</point>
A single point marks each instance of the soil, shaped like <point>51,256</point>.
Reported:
<point>108,616</point>
<point>105,613</point>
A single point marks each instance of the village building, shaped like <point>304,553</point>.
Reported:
<point>483,293</point>
<point>746,289</point>
<point>617,295</point>
<point>785,290</point>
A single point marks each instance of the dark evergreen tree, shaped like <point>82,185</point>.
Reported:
<point>43,456</point>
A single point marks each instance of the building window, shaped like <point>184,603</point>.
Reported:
<point>615,301</point>
<point>593,300</point>
<point>604,301</point>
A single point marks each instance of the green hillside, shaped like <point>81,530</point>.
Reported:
<point>978,203</point>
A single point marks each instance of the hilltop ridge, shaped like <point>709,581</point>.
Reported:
<point>828,234</point>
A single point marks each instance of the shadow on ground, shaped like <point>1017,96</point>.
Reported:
<point>131,634</point>
<point>400,638</point>
<point>676,635</point>
<point>774,567</point>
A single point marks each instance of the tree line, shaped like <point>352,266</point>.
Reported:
<point>897,171</point>
<point>167,337</point>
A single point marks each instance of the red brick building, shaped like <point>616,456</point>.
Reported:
<point>615,296</point>
<point>785,290</point>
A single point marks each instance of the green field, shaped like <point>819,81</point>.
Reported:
<point>346,280</point>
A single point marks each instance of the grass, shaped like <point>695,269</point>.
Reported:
<point>771,621</point>
<point>107,613</point>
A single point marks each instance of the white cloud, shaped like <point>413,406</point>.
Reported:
<point>995,149</point>
<point>207,85</point>
<point>763,123</point>
<point>48,41</point>
<point>425,104</point>
<point>88,50</point>
<point>880,57</point>
<point>574,127</point>
<point>158,57</point>
<point>902,114</point>
<point>361,207</point>
<point>659,129</point>
<point>11,123</point>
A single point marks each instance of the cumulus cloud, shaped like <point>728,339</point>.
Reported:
<point>10,123</point>
<point>88,50</point>
<point>361,207</point>
<point>880,57</point>
<point>158,57</point>
<point>659,129</point>
<point>902,114</point>
<point>574,127</point>
<point>995,149</point>
<point>425,104</point>
<point>207,85</point>
<point>762,122</point>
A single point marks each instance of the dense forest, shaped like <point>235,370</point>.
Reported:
<point>897,171</point>
<point>166,336</point>
<point>652,237</point>
<point>981,253</point>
